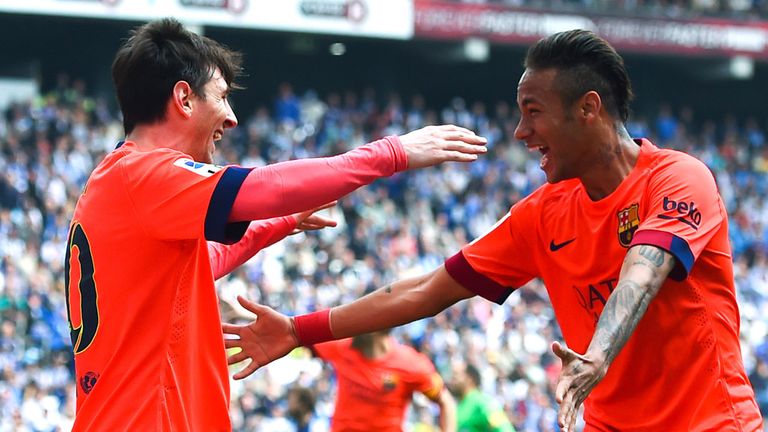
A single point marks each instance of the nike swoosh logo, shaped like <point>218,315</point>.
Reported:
<point>554,247</point>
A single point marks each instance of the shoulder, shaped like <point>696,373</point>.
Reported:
<point>412,360</point>
<point>668,165</point>
<point>152,158</point>
<point>661,159</point>
<point>332,349</point>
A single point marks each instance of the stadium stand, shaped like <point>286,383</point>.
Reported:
<point>403,225</point>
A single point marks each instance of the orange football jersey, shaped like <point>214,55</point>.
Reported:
<point>681,370</point>
<point>144,316</point>
<point>373,394</point>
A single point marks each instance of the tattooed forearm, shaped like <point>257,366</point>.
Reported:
<point>652,254</point>
<point>620,316</point>
<point>644,270</point>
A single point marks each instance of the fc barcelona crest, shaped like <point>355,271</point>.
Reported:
<point>629,220</point>
<point>389,381</point>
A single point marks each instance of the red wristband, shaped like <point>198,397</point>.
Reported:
<point>313,327</point>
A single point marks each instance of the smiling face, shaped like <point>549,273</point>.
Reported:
<point>212,115</point>
<point>550,127</point>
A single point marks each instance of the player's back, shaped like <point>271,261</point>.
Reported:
<point>137,304</point>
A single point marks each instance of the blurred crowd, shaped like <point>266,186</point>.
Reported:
<point>732,9</point>
<point>400,226</point>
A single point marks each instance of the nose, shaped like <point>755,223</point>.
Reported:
<point>231,120</point>
<point>523,129</point>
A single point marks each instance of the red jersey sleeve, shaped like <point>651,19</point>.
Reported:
<point>302,184</point>
<point>503,259</point>
<point>259,235</point>
<point>425,378</point>
<point>176,198</point>
<point>684,212</point>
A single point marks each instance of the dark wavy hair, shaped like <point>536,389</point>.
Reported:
<point>155,57</point>
<point>584,62</point>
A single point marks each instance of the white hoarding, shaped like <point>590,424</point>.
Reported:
<point>391,19</point>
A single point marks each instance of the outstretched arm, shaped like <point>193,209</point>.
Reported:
<point>447,411</point>
<point>262,234</point>
<point>272,335</point>
<point>294,186</point>
<point>644,270</point>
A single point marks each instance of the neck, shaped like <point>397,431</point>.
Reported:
<point>615,158</point>
<point>157,135</point>
<point>378,347</point>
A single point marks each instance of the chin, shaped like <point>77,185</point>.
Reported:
<point>555,178</point>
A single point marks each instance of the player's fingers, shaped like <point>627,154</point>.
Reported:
<point>232,329</point>
<point>246,371</point>
<point>326,205</point>
<point>318,220</point>
<point>561,389</point>
<point>232,343</point>
<point>566,410</point>
<point>454,128</point>
<point>463,147</point>
<point>237,358</point>
<point>251,306</point>
<point>569,416</point>
<point>572,422</point>
<point>561,416</point>
<point>455,156</point>
<point>565,354</point>
<point>463,138</point>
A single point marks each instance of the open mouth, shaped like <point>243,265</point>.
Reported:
<point>217,135</point>
<point>544,155</point>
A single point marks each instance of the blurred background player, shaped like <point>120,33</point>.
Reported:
<point>477,412</point>
<point>376,378</point>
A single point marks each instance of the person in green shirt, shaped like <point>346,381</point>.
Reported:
<point>477,412</point>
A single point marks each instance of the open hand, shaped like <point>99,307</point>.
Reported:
<point>577,379</point>
<point>432,145</point>
<point>309,220</point>
<point>270,336</point>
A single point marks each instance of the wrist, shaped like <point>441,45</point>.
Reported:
<point>399,153</point>
<point>313,328</point>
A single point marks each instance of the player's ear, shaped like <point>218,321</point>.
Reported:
<point>590,105</point>
<point>181,98</point>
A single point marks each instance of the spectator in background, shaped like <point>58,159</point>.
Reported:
<point>512,355</point>
<point>477,412</point>
<point>301,410</point>
<point>376,378</point>
<point>287,107</point>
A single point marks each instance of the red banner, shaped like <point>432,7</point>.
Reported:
<point>446,20</point>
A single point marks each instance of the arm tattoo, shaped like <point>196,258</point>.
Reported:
<point>652,254</point>
<point>643,263</point>
<point>620,316</point>
<point>631,298</point>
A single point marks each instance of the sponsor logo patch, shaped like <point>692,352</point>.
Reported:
<point>199,168</point>
<point>685,212</point>
<point>554,247</point>
<point>629,220</point>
